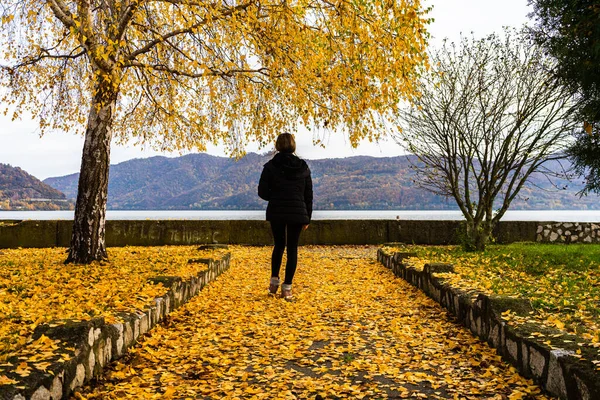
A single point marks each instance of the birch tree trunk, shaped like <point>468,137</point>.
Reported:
<point>88,237</point>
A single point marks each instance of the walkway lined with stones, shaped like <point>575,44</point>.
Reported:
<point>353,331</point>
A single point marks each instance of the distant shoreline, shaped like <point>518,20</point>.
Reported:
<point>453,215</point>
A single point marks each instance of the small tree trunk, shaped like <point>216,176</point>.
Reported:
<point>482,235</point>
<point>480,240</point>
<point>477,235</point>
<point>468,236</point>
<point>88,237</point>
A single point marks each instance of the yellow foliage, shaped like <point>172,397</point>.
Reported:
<point>353,331</point>
<point>192,72</point>
<point>37,287</point>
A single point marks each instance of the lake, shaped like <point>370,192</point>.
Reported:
<point>516,215</point>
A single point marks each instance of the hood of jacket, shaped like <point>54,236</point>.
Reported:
<point>292,166</point>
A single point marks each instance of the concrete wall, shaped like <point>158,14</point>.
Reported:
<point>325,232</point>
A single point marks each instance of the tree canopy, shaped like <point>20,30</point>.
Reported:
<point>183,73</point>
<point>189,72</point>
<point>569,30</point>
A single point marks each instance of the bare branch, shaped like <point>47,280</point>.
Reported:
<point>489,117</point>
<point>45,54</point>
<point>212,72</point>
<point>188,30</point>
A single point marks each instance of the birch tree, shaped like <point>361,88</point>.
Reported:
<point>491,114</point>
<point>180,74</point>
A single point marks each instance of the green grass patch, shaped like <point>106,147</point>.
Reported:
<point>562,281</point>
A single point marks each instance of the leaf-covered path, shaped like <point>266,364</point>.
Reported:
<point>353,331</point>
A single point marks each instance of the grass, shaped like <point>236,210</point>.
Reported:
<point>561,281</point>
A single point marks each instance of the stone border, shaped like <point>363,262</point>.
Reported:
<point>568,232</point>
<point>91,345</point>
<point>551,362</point>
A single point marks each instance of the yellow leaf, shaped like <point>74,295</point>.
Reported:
<point>4,380</point>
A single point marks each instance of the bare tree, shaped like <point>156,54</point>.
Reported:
<point>490,115</point>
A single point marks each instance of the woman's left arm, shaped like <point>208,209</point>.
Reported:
<point>308,195</point>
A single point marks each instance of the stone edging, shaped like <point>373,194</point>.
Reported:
<point>551,362</point>
<point>90,345</point>
<point>568,232</point>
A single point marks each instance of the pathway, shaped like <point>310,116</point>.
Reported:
<point>354,331</point>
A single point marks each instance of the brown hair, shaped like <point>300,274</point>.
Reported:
<point>285,143</point>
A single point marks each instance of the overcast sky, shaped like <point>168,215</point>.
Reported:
<point>59,153</point>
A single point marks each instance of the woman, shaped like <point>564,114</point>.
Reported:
<point>286,184</point>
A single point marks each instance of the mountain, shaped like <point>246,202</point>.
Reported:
<point>22,191</point>
<point>205,182</point>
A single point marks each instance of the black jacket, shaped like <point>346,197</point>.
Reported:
<point>286,184</point>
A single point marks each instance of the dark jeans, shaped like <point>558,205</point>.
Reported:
<point>279,235</point>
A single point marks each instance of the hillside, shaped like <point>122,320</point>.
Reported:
<point>202,181</point>
<point>22,191</point>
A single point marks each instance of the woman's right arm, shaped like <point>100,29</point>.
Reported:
<point>264,192</point>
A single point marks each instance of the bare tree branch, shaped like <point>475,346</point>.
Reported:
<point>489,116</point>
<point>149,46</point>
<point>177,72</point>
<point>45,54</point>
